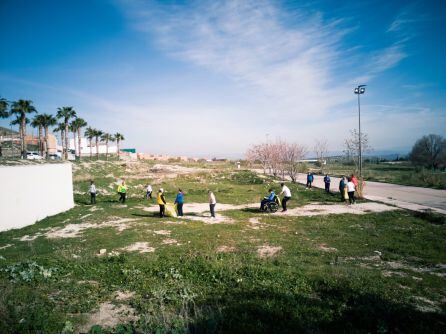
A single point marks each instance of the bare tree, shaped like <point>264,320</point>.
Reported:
<point>351,146</point>
<point>292,156</point>
<point>321,150</point>
<point>259,153</point>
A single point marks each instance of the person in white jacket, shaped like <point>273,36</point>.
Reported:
<point>286,196</point>
<point>92,191</point>
<point>351,191</point>
<point>212,202</point>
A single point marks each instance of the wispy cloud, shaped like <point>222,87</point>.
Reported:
<point>296,58</point>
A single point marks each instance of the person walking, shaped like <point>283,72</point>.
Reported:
<point>149,192</point>
<point>327,183</point>
<point>161,202</point>
<point>351,191</point>
<point>179,201</point>
<point>212,203</point>
<point>342,185</point>
<point>92,191</point>
<point>122,191</point>
<point>310,179</point>
<point>286,196</point>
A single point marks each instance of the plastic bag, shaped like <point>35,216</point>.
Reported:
<point>170,210</point>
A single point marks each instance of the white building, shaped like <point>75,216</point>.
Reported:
<point>85,146</point>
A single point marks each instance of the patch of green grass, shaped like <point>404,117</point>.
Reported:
<point>50,285</point>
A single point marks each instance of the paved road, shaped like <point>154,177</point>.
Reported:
<point>412,198</point>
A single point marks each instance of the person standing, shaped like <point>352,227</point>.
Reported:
<point>286,196</point>
<point>327,183</point>
<point>310,178</point>
<point>149,192</point>
<point>179,201</point>
<point>351,191</point>
<point>161,202</point>
<point>122,191</point>
<point>212,203</point>
<point>92,192</point>
<point>342,185</point>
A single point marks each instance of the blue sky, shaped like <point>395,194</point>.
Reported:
<point>210,78</point>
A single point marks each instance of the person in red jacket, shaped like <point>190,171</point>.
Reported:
<point>354,180</point>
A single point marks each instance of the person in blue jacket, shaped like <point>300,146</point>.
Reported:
<point>310,179</point>
<point>327,183</point>
<point>270,198</point>
<point>179,201</point>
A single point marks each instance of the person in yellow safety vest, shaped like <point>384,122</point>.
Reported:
<point>161,202</point>
<point>122,191</point>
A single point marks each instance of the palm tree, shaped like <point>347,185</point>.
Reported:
<point>73,130</point>
<point>66,113</point>
<point>3,114</point>
<point>37,122</point>
<point>106,137</point>
<point>60,128</point>
<point>21,108</point>
<point>78,124</point>
<point>89,134</point>
<point>4,108</point>
<point>97,135</point>
<point>118,137</point>
<point>47,121</point>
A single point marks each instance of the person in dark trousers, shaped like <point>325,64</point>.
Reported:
<point>122,191</point>
<point>92,192</point>
<point>286,196</point>
<point>342,185</point>
<point>149,192</point>
<point>351,191</point>
<point>179,201</point>
<point>161,202</point>
<point>327,183</point>
<point>310,178</point>
<point>269,198</point>
<point>212,203</point>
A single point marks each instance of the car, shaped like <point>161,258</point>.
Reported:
<point>54,156</point>
<point>33,156</point>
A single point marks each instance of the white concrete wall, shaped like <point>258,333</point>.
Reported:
<point>33,192</point>
<point>85,147</point>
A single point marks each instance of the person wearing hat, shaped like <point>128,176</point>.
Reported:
<point>161,202</point>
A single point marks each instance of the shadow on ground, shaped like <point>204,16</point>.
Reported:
<point>330,311</point>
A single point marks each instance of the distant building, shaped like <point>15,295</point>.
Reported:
<point>85,147</point>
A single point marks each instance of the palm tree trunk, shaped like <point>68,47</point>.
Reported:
<point>22,136</point>
<point>117,144</point>
<point>40,141</point>
<point>46,143</point>
<point>76,153</point>
<point>66,141</point>
<point>106,150</point>
<point>97,148</point>
<point>79,142</point>
<point>91,152</point>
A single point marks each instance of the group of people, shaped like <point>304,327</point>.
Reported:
<point>347,188</point>
<point>179,202</point>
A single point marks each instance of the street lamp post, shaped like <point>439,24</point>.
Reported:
<point>358,91</point>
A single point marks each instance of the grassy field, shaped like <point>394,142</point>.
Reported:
<point>400,173</point>
<point>252,273</point>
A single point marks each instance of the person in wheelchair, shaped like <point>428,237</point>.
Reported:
<point>268,201</point>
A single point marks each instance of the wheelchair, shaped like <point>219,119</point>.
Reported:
<point>272,206</point>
